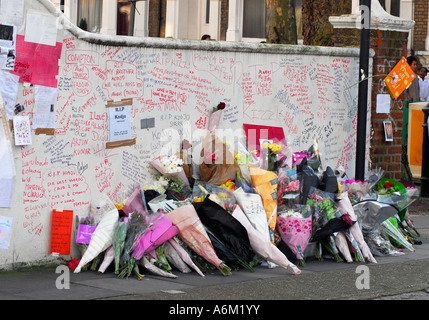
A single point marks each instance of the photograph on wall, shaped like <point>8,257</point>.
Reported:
<point>388,132</point>
<point>7,46</point>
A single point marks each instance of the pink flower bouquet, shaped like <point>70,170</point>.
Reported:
<point>296,233</point>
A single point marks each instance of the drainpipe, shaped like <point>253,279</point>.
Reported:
<point>365,7</point>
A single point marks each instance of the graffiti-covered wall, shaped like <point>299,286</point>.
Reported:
<point>97,109</point>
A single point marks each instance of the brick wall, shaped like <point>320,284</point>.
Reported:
<point>421,26</point>
<point>389,47</point>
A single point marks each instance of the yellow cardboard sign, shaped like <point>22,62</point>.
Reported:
<point>400,78</point>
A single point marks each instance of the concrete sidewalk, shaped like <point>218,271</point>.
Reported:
<point>392,275</point>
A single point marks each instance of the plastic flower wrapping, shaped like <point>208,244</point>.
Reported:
<point>295,229</point>
<point>170,167</point>
<point>232,210</point>
<point>274,154</point>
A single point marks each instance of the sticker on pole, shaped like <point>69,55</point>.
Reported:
<point>400,78</point>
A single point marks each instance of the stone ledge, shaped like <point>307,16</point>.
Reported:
<point>380,20</point>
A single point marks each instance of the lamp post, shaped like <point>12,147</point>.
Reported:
<point>424,179</point>
<point>365,7</point>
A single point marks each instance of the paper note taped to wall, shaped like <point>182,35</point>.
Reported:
<point>400,78</point>
<point>62,222</point>
<point>22,130</point>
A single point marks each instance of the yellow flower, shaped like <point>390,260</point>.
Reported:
<point>265,145</point>
<point>238,156</point>
<point>119,206</point>
<point>199,199</point>
<point>274,147</point>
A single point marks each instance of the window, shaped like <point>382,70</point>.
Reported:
<point>89,14</point>
<point>395,7</point>
<point>123,18</point>
<point>391,6</point>
<point>207,11</point>
<point>254,19</point>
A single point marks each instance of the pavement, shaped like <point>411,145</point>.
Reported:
<point>405,276</point>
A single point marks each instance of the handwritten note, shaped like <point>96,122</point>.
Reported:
<point>22,130</point>
<point>9,90</point>
<point>62,223</point>
<point>44,100</point>
<point>37,63</point>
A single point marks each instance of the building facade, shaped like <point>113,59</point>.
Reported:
<point>225,20</point>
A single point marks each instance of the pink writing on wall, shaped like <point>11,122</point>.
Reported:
<point>122,81</point>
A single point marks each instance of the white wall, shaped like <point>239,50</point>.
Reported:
<point>302,89</point>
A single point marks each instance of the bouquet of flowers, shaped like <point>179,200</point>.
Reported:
<point>119,241</point>
<point>171,168</point>
<point>184,255</point>
<point>101,239</point>
<point>253,208</point>
<point>84,228</point>
<point>174,258</point>
<point>356,189</point>
<point>222,195</point>
<point>159,185</point>
<point>109,256</point>
<point>218,163</point>
<point>272,156</point>
<point>135,202</point>
<point>322,206</point>
<point>393,192</point>
<point>177,190</point>
<point>192,232</point>
<point>137,226</point>
<point>391,232</point>
<point>288,188</point>
<point>215,117</point>
<point>265,184</point>
<point>345,206</point>
<point>244,159</point>
<point>230,184</point>
<point>295,230</point>
<point>227,229</point>
<point>262,245</point>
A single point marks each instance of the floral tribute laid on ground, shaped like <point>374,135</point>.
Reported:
<point>235,208</point>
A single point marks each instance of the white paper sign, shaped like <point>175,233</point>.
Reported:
<point>119,123</point>
<point>12,11</point>
<point>9,84</point>
<point>383,103</point>
<point>22,130</point>
<point>41,28</point>
<point>44,103</point>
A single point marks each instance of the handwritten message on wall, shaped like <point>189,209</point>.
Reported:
<point>176,90</point>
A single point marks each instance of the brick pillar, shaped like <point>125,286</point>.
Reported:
<point>389,42</point>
